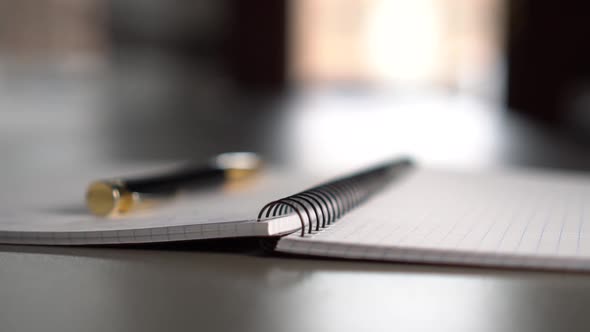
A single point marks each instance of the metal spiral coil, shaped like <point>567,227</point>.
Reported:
<point>321,206</point>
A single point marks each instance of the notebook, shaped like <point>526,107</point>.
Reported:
<point>394,211</point>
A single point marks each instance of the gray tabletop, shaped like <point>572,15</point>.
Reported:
<point>57,129</point>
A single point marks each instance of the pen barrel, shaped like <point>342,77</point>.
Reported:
<point>170,183</point>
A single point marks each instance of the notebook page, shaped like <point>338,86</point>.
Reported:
<point>229,211</point>
<point>517,218</point>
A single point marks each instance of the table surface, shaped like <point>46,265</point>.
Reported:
<point>52,130</point>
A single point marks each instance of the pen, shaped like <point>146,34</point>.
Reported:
<point>115,197</point>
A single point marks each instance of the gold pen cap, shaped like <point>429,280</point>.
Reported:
<point>110,198</point>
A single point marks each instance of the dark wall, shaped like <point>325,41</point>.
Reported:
<point>548,57</point>
<point>243,41</point>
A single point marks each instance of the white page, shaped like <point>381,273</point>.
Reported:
<point>57,214</point>
<point>501,218</point>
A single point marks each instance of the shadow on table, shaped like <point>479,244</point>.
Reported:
<point>248,251</point>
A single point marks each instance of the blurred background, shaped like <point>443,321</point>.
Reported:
<point>310,83</point>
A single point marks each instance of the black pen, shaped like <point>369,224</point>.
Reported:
<point>115,197</point>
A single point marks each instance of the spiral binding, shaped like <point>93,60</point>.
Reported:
<point>321,206</point>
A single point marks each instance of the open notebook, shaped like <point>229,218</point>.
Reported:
<point>392,212</point>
